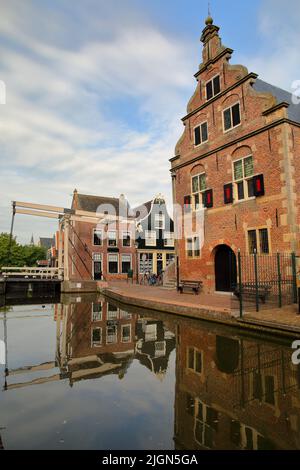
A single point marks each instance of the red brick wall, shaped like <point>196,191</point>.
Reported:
<point>82,257</point>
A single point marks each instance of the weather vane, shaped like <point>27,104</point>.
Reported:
<point>208,8</point>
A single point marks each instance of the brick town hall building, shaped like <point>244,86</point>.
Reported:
<point>239,158</point>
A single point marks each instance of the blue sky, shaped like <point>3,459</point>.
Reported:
<point>96,90</point>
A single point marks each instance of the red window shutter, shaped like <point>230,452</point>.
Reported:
<point>208,198</point>
<point>187,203</point>
<point>259,185</point>
<point>228,193</point>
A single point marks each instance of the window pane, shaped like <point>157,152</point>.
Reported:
<point>236,118</point>
<point>248,167</point>
<point>209,90</point>
<point>97,238</point>
<point>196,246</point>
<point>191,358</point>
<point>196,200</point>
<point>241,192</point>
<point>270,389</point>
<point>97,267</point>
<point>126,239</point>
<point>190,247</point>
<point>204,132</point>
<point>250,184</point>
<point>257,386</point>
<point>126,266</point>
<point>202,182</point>
<point>112,239</point>
<point>197,136</point>
<point>238,170</point>
<point>227,119</point>
<point>252,241</point>
<point>113,264</point>
<point>195,184</point>
<point>198,365</point>
<point>217,87</point>
<point>264,241</point>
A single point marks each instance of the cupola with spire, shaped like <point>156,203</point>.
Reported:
<point>212,44</point>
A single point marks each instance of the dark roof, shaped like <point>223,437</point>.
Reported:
<point>281,96</point>
<point>90,203</point>
<point>139,212</point>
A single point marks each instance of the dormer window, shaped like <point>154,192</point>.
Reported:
<point>201,134</point>
<point>213,87</point>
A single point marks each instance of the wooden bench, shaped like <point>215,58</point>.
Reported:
<point>249,291</point>
<point>191,285</point>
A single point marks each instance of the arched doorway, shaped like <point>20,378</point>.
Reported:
<point>225,269</point>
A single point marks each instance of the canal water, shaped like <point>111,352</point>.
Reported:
<point>88,374</point>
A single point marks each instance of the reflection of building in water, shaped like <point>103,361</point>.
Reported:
<point>97,339</point>
<point>100,338</point>
<point>94,340</point>
<point>234,394</point>
<point>154,345</point>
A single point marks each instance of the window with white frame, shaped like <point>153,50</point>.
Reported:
<point>126,333</point>
<point>206,424</point>
<point>96,339</point>
<point>111,334</point>
<point>126,239</point>
<point>213,87</point>
<point>112,312</point>
<point>193,247</point>
<point>201,134</point>
<point>198,190</point>
<point>126,263</point>
<point>258,240</point>
<point>150,332</point>
<point>150,237</point>
<point>232,117</point>
<point>97,266</point>
<point>169,239</point>
<point>112,238</point>
<point>159,221</point>
<point>160,348</point>
<point>97,312</point>
<point>194,360</point>
<point>97,237</point>
<point>243,171</point>
<point>113,263</point>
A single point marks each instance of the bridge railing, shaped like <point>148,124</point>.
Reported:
<point>31,273</point>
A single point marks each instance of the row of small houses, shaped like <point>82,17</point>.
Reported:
<point>130,241</point>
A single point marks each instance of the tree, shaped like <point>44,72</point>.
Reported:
<point>20,255</point>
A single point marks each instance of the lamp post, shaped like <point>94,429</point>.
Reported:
<point>136,262</point>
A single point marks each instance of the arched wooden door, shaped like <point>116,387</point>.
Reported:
<point>225,269</point>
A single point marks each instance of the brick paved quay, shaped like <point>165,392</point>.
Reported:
<point>220,308</point>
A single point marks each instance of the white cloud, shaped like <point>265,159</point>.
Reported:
<point>62,123</point>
